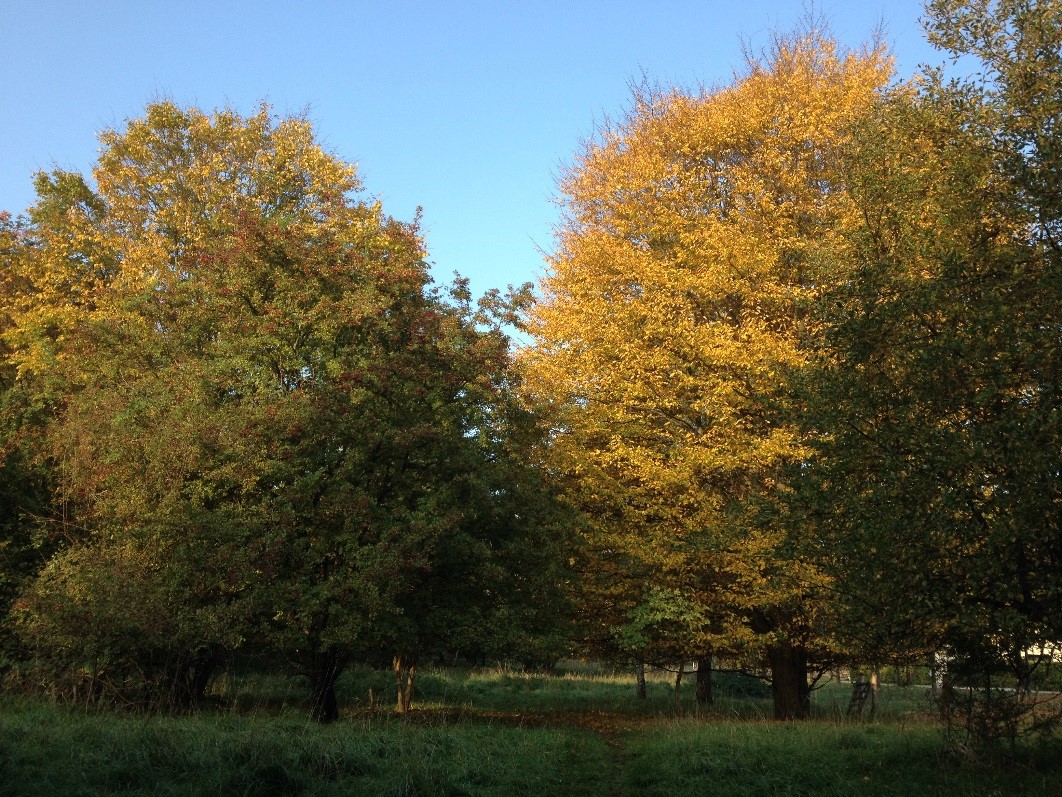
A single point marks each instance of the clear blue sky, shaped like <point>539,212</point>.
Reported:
<point>469,109</point>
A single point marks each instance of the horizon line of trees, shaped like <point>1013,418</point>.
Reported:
<point>791,396</point>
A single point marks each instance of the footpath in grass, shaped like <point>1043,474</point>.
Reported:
<point>499,733</point>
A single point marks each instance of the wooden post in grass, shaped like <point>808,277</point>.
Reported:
<point>405,670</point>
<point>864,691</point>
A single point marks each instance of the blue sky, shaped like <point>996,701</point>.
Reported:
<point>468,109</point>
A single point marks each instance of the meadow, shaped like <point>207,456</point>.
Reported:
<point>502,732</point>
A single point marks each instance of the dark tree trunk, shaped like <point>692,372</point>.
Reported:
<point>324,668</point>
<point>678,686</point>
<point>704,681</point>
<point>183,682</point>
<point>789,681</point>
<point>202,672</point>
<point>641,680</point>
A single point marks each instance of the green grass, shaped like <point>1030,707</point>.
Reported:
<point>815,758</point>
<point>508,690</point>
<point>52,752</point>
<point>580,689</point>
<point>500,732</point>
<point>573,689</point>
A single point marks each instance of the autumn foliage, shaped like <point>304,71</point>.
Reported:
<point>672,315</point>
<point>268,431</point>
<point>790,397</point>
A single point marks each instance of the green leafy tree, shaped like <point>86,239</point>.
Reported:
<point>492,587</point>
<point>938,480</point>
<point>25,485</point>
<point>263,418</point>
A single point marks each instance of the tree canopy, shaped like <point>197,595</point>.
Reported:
<point>266,423</point>
<point>671,316</point>
<point>791,396</point>
<point>936,401</point>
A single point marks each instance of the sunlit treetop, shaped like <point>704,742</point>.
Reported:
<point>177,193</point>
<point>673,309</point>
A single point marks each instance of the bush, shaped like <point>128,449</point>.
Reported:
<point>738,685</point>
<point>104,624</point>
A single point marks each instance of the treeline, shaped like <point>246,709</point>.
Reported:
<point>792,395</point>
<point>801,340</point>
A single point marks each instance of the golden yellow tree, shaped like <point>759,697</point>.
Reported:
<point>671,316</point>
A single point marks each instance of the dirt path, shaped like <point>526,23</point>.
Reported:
<point>609,726</point>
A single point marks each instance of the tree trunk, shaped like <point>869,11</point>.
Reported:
<point>789,681</point>
<point>191,678</point>
<point>324,667</point>
<point>183,682</point>
<point>202,672</point>
<point>641,680</point>
<point>704,681</point>
<point>678,686</point>
<point>875,682</point>
<point>938,669</point>
<point>405,671</point>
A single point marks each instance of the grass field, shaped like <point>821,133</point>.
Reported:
<point>497,732</point>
